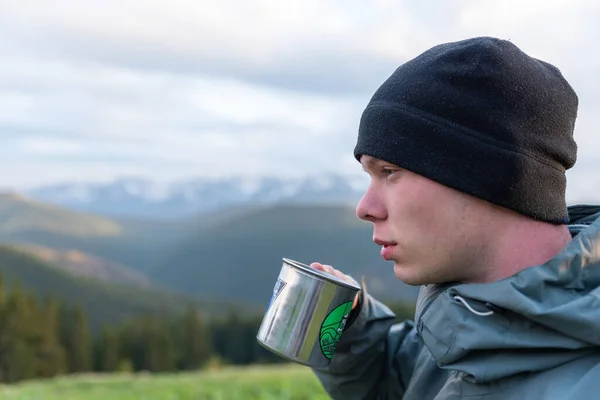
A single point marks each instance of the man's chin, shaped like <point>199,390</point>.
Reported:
<point>407,275</point>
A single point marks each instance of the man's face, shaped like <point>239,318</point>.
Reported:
<point>431,232</point>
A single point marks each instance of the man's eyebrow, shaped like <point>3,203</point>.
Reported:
<point>370,164</point>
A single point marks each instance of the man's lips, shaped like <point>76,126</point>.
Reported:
<point>387,248</point>
<point>384,243</point>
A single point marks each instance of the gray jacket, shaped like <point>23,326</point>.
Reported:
<point>534,335</point>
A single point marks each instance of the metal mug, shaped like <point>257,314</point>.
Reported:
<point>306,315</point>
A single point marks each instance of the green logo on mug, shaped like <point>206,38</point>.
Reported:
<point>332,328</point>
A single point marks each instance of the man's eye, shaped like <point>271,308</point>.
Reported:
<point>388,171</point>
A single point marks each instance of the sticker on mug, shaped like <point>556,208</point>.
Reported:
<point>332,328</point>
<point>279,285</point>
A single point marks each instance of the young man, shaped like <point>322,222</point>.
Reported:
<point>467,147</point>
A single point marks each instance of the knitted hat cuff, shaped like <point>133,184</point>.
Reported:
<point>465,160</point>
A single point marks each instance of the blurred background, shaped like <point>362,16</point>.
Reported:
<point>159,158</point>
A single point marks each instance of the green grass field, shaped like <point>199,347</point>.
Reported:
<point>281,382</point>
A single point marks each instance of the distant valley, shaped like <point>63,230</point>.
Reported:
<point>230,255</point>
<point>240,258</point>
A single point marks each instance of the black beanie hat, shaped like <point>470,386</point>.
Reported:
<point>482,117</point>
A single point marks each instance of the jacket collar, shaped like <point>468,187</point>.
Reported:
<point>545,315</point>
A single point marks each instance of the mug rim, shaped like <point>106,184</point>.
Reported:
<point>321,274</point>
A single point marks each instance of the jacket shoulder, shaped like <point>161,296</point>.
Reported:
<point>574,380</point>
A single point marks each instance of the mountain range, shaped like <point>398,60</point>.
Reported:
<point>139,197</point>
<point>230,256</point>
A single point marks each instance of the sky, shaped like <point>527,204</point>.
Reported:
<point>94,90</point>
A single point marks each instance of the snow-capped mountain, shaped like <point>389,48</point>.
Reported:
<point>138,197</point>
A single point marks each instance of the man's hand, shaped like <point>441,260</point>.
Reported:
<point>330,270</point>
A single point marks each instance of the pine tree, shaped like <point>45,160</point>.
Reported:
<point>17,356</point>
<point>75,338</point>
<point>192,340</point>
<point>50,354</point>
<point>108,350</point>
<point>29,344</point>
<point>4,333</point>
<point>229,338</point>
<point>159,346</point>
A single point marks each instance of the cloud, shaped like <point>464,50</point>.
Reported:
<point>166,125</point>
<point>184,88</point>
<point>338,47</point>
<point>267,43</point>
<point>43,146</point>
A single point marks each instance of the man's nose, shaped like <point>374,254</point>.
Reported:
<point>371,207</point>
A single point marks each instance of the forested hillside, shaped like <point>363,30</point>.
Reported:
<point>103,302</point>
